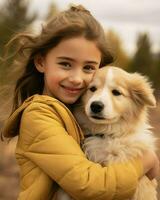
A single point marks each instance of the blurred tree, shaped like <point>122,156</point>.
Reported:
<point>13,18</point>
<point>157,72</point>
<point>121,57</point>
<point>142,61</point>
<point>146,62</point>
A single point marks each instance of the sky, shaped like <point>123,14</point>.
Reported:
<point>127,18</point>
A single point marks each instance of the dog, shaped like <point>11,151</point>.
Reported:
<point>113,114</point>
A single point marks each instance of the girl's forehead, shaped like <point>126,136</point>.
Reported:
<point>79,40</point>
<point>77,47</point>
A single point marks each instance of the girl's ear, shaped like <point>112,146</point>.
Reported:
<point>39,63</point>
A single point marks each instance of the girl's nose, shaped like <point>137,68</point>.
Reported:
<point>76,78</point>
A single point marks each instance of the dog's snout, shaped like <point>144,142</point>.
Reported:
<point>97,106</point>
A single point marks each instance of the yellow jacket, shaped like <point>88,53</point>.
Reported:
<point>48,152</point>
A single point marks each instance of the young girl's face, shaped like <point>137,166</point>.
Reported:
<point>68,68</point>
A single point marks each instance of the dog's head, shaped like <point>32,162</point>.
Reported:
<point>116,96</point>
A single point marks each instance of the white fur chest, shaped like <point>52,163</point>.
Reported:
<point>105,149</point>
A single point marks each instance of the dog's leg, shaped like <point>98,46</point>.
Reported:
<point>146,189</point>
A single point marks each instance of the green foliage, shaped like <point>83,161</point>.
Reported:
<point>145,61</point>
<point>13,18</point>
<point>157,72</point>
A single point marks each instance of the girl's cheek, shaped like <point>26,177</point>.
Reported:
<point>90,79</point>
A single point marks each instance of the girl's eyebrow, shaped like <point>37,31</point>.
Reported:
<point>71,59</point>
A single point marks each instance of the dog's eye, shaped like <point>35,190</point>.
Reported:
<point>116,93</point>
<point>93,89</point>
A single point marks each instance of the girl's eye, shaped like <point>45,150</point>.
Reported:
<point>89,68</point>
<point>65,64</point>
<point>116,93</point>
<point>93,89</point>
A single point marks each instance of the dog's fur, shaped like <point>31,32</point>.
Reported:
<point>115,108</point>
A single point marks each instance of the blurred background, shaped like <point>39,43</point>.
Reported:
<point>132,28</point>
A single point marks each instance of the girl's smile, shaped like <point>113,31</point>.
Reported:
<point>68,68</point>
<point>72,90</point>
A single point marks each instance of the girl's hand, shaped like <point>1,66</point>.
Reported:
<point>151,164</point>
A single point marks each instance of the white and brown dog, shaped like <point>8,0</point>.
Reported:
<point>115,108</point>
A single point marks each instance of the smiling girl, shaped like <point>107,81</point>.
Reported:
<point>58,64</point>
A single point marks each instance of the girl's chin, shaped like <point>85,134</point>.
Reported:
<point>69,100</point>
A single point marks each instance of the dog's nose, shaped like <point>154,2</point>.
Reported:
<point>97,106</point>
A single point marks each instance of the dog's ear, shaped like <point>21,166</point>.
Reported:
<point>141,90</point>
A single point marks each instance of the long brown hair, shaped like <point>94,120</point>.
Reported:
<point>73,22</point>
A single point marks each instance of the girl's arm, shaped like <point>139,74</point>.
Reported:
<point>47,144</point>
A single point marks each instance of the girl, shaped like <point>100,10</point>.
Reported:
<point>58,65</point>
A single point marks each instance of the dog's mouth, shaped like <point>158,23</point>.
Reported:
<point>97,117</point>
<point>103,119</point>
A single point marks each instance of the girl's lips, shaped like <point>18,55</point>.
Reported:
<point>72,89</point>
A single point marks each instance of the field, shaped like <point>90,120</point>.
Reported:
<point>9,172</point>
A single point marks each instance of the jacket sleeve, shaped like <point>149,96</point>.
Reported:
<point>47,144</point>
